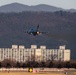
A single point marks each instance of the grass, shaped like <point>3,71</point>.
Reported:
<point>26,73</point>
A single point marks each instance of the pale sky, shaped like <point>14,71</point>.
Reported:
<point>67,4</point>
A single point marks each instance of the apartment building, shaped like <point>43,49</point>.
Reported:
<point>22,54</point>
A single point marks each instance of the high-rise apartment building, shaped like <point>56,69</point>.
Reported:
<point>22,54</point>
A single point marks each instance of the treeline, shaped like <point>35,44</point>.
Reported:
<point>7,63</point>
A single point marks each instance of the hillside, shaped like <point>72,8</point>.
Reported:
<point>60,27</point>
<point>17,7</point>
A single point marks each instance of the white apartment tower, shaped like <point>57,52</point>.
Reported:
<point>22,54</point>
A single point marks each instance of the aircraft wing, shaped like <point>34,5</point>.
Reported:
<point>41,32</point>
<point>26,31</point>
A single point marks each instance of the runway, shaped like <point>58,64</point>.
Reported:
<point>55,71</point>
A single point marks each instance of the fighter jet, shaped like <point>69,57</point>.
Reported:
<point>35,32</point>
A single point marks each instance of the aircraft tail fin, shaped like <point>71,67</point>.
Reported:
<point>37,26</point>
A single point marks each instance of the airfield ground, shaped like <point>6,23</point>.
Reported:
<point>45,71</point>
<point>27,73</point>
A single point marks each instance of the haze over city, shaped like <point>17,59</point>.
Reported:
<point>66,4</point>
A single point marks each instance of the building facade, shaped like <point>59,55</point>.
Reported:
<point>22,54</point>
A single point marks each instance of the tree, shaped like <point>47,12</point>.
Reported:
<point>18,65</point>
<point>42,64</point>
<point>49,63</point>
<point>8,63</point>
<point>24,65</point>
<point>59,65</point>
<point>0,65</point>
<point>67,64</point>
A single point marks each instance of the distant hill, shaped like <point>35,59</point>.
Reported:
<point>17,7</point>
<point>60,27</point>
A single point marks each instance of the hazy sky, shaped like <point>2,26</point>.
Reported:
<point>67,4</point>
